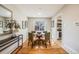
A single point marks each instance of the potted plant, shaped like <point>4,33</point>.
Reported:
<point>12,25</point>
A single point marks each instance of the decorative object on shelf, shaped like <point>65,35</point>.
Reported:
<point>17,27</point>
<point>59,28</point>
<point>59,24</point>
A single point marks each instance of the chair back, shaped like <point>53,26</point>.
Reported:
<point>30,37</point>
<point>47,36</point>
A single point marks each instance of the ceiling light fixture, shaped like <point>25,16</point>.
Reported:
<point>39,13</point>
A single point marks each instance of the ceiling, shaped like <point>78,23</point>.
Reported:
<point>36,10</point>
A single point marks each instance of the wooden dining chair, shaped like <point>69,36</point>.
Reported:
<point>47,37</point>
<point>30,38</point>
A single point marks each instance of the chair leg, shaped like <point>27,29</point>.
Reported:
<point>28,43</point>
<point>45,44</point>
<point>49,42</point>
<point>32,45</point>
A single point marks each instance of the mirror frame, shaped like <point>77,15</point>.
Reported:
<point>6,16</point>
<point>7,10</point>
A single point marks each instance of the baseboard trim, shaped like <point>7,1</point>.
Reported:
<point>69,50</point>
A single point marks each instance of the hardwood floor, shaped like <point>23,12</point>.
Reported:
<point>53,49</point>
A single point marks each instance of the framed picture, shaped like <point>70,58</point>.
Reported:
<point>24,24</point>
<point>39,26</point>
<point>77,23</point>
<point>52,24</point>
<point>1,24</point>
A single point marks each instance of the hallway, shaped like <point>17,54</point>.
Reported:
<point>53,49</point>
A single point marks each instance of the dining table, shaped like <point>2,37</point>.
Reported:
<point>39,39</point>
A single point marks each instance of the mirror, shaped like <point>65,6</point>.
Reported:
<point>5,18</point>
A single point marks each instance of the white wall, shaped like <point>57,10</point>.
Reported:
<point>70,31</point>
<point>32,21</point>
